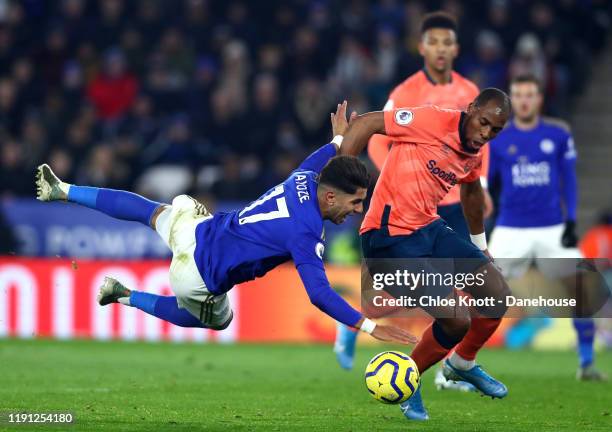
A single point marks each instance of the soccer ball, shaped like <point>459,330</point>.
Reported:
<point>392,377</point>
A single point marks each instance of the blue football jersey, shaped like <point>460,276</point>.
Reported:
<point>283,224</point>
<point>538,175</point>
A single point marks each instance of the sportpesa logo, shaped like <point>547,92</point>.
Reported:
<point>447,176</point>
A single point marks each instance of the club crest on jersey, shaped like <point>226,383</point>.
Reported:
<point>403,117</point>
<point>319,249</point>
<point>512,149</point>
<point>547,146</point>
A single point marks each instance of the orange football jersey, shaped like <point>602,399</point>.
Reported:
<point>421,90</point>
<point>426,161</point>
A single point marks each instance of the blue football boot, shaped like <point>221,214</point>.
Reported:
<point>413,408</point>
<point>442,383</point>
<point>476,376</point>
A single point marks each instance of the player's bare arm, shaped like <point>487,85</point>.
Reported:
<point>489,207</point>
<point>361,128</point>
<point>473,203</point>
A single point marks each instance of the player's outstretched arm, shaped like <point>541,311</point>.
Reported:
<point>328,301</point>
<point>380,145</point>
<point>473,201</point>
<point>361,128</point>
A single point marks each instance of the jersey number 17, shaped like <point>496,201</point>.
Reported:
<point>264,203</point>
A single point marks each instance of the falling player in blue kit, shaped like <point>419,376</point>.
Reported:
<point>212,253</point>
<point>535,160</point>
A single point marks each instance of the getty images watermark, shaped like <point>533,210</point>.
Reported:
<point>407,280</point>
<point>443,287</point>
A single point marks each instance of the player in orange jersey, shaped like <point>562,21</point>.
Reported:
<point>435,84</point>
<point>435,149</point>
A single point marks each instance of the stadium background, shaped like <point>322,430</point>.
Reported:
<point>222,100</point>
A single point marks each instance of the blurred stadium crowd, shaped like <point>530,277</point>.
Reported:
<point>225,97</point>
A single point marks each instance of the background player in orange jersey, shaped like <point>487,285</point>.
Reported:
<point>435,149</point>
<point>436,84</point>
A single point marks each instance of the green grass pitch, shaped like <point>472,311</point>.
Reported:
<point>186,387</point>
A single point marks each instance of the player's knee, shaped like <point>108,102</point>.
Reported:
<point>155,216</point>
<point>462,326</point>
<point>505,292</point>
<point>494,291</point>
<point>501,291</point>
<point>455,328</point>
<point>223,325</point>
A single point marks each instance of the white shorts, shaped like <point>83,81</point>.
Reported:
<point>176,225</point>
<point>514,249</point>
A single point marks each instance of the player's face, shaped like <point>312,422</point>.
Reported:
<point>483,124</point>
<point>526,100</point>
<point>439,48</point>
<point>345,204</point>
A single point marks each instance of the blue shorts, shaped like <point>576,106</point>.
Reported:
<point>436,240</point>
<point>433,249</point>
<point>453,215</point>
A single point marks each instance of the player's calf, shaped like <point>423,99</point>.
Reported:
<point>163,307</point>
<point>438,340</point>
<point>115,203</point>
<point>454,329</point>
<point>495,287</point>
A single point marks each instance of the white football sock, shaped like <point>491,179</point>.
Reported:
<point>124,301</point>
<point>64,187</point>
<point>460,363</point>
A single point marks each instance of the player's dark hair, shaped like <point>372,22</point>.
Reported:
<point>438,19</point>
<point>346,173</point>
<point>527,78</point>
<point>495,95</point>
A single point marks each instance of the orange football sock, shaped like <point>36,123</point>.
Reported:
<point>433,347</point>
<point>480,331</point>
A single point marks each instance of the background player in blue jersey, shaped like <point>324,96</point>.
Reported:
<point>212,253</point>
<point>534,159</point>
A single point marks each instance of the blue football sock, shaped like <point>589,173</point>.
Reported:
<point>115,203</point>
<point>164,307</point>
<point>585,328</point>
